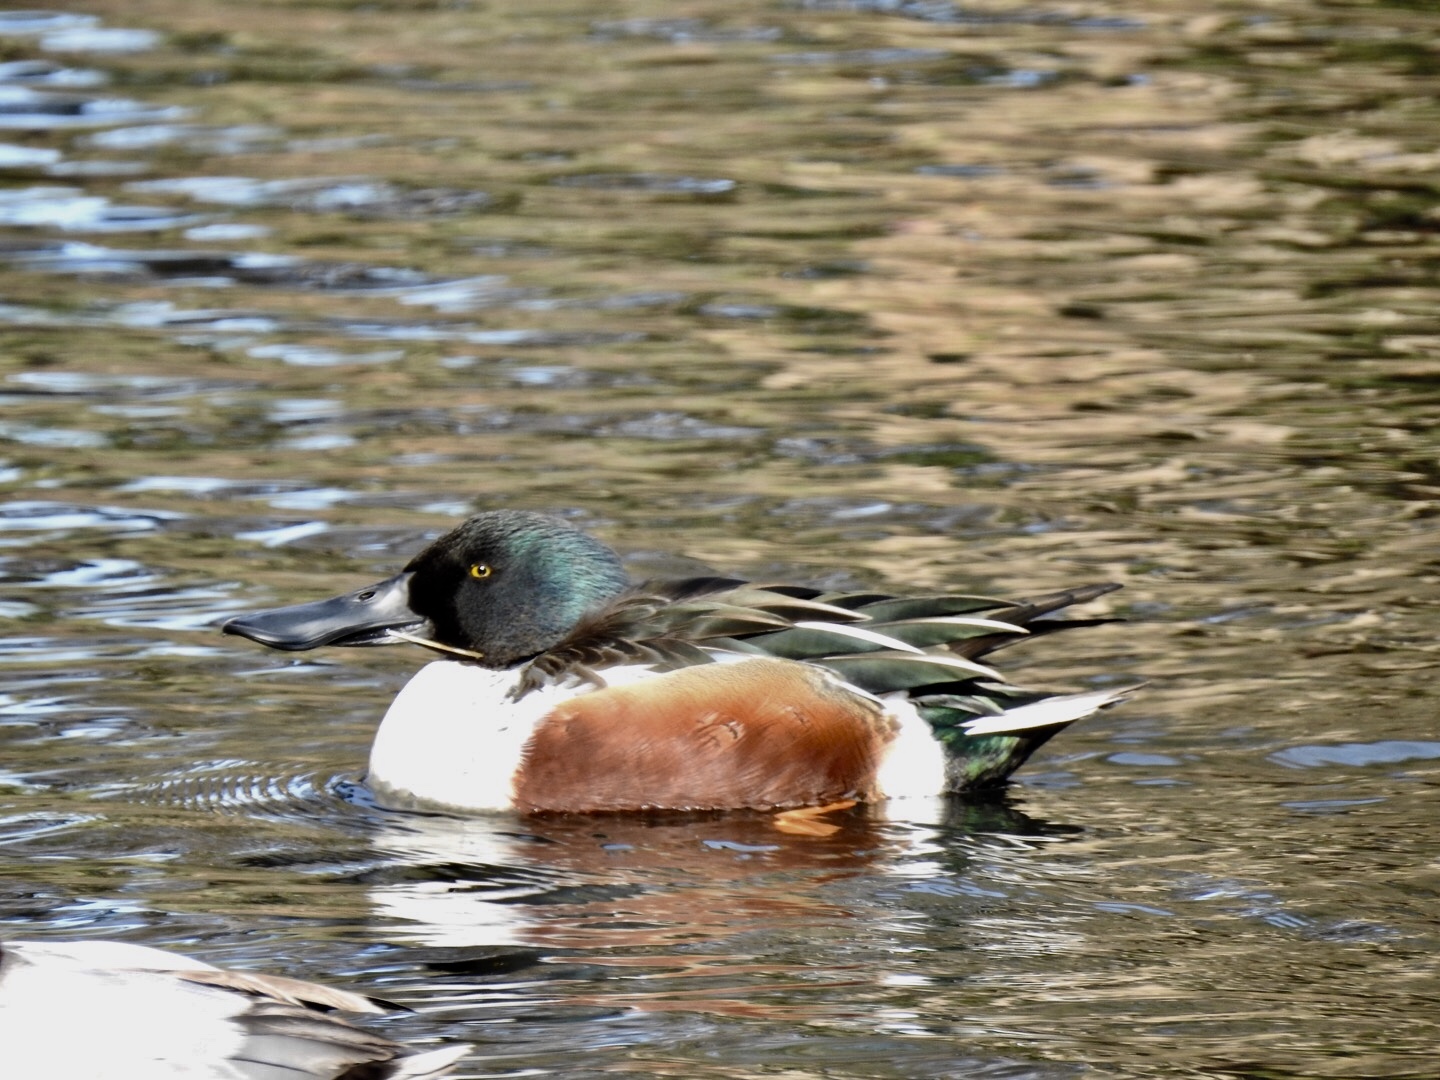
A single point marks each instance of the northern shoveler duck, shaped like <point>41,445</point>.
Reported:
<point>568,688</point>
<point>77,1010</point>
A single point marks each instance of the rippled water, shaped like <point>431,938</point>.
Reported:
<point>859,292</point>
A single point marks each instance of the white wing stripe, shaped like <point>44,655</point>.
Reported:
<point>853,631</point>
<point>1051,711</point>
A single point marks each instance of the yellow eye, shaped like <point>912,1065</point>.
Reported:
<point>480,570</point>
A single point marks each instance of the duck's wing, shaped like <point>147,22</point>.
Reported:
<point>879,642</point>
<point>914,642</point>
<point>673,624</point>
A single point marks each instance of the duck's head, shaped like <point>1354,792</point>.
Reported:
<point>503,586</point>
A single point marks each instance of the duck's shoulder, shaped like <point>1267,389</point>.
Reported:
<point>671,624</point>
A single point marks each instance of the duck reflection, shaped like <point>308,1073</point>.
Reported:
<point>602,882</point>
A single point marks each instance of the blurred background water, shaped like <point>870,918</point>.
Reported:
<point>894,293</point>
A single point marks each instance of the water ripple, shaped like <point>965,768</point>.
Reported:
<point>25,109</point>
<point>31,515</point>
<point>237,786</point>
<point>1358,755</point>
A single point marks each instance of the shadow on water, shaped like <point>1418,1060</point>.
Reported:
<point>891,295</point>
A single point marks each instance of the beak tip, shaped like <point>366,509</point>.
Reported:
<point>358,618</point>
<point>245,626</point>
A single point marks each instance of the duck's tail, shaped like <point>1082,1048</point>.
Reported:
<point>984,750</point>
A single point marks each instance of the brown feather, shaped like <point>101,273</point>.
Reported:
<point>759,734</point>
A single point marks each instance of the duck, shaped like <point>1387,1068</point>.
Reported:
<point>562,686</point>
<point>77,1010</point>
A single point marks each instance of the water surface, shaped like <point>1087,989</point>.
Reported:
<point>895,295</point>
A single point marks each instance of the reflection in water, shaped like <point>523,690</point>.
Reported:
<point>615,881</point>
<point>986,295</point>
<point>713,916</point>
<point>655,922</point>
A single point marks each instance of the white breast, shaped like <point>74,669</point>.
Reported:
<point>450,738</point>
